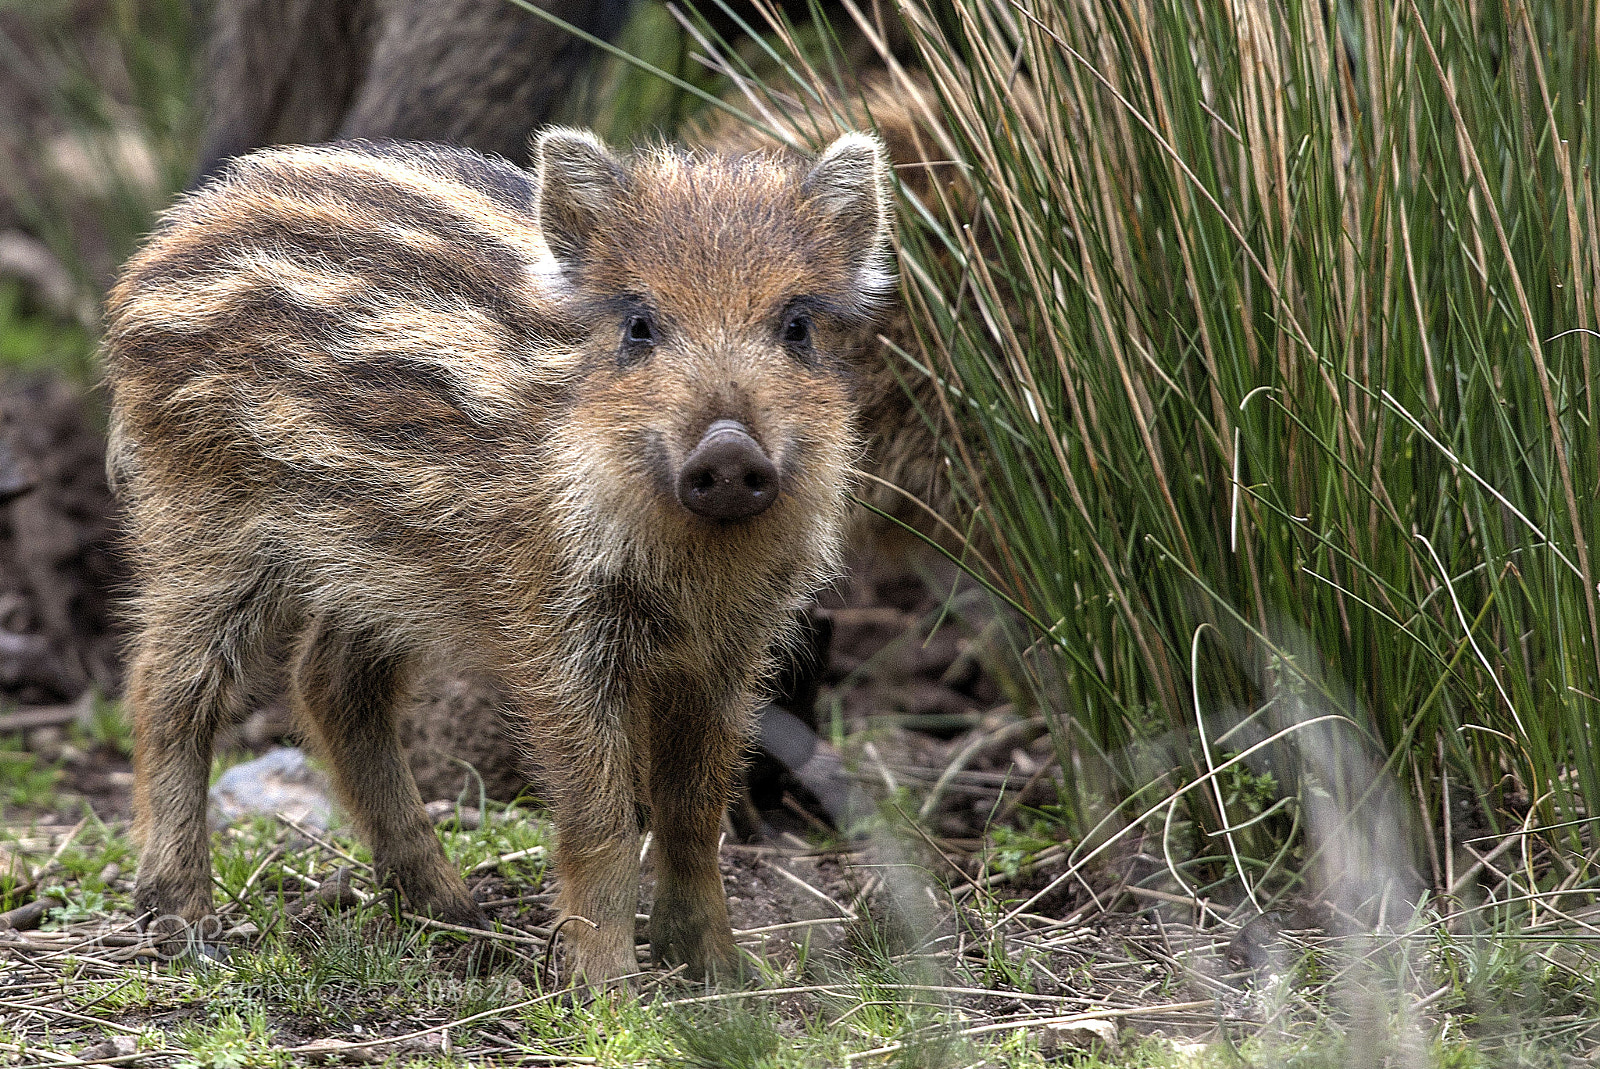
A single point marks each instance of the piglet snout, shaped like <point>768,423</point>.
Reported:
<point>727,476</point>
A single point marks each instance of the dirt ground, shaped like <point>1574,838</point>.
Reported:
<point>815,919</point>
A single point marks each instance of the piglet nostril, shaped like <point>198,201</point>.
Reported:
<point>727,476</point>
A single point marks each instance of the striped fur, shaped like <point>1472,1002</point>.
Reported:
<point>372,400</point>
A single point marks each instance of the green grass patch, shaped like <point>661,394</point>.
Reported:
<point>26,782</point>
<point>32,340</point>
<point>918,980</point>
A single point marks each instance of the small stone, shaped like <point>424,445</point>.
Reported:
<point>432,1043</point>
<point>1062,1037</point>
<point>47,742</point>
<point>112,1047</point>
<point>335,894</point>
<point>279,781</point>
<point>330,1051</point>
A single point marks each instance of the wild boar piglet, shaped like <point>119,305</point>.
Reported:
<point>588,429</point>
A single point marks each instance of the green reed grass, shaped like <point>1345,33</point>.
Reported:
<point>1267,342</point>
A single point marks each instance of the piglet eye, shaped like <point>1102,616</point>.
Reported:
<point>797,331</point>
<point>638,340</point>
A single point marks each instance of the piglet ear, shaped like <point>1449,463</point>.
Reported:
<point>578,180</point>
<point>850,182</point>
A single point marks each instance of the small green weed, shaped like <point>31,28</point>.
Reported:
<point>108,727</point>
<point>1015,848</point>
<point>25,781</point>
<point>81,906</point>
<point>511,833</point>
<point>718,1038</point>
<point>229,1039</point>
<point>96,846</point>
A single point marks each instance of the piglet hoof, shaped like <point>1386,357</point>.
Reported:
<point>596,973</point>
<point>485,955</point>
<point>176,916</point>
<point>432,889</point>
<point>595,957</point>
<point>461,916</point>
<point>451,913</point>
<point>707,954</point>
<point>481,953</point>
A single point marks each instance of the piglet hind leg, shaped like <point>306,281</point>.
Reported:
<point>172,758</point>
<point>695,756</point>
<point>347,687</point>
<point>195,664</point>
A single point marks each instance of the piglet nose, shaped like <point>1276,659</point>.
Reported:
<point>727,476</point>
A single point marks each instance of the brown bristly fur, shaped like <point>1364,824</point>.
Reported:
<point>371,400</point>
